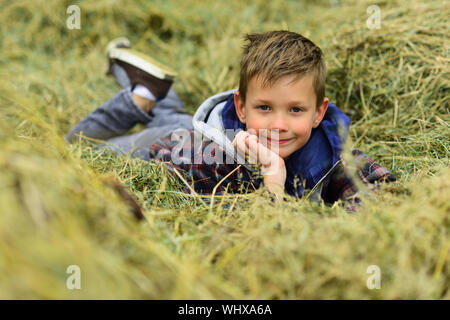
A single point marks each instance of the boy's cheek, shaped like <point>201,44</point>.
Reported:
<point>305,128</point>
<point>254,124</point>
<point>301,132</point>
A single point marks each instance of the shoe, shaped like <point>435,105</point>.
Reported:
<point>140,68</point>
<point>121,42</point>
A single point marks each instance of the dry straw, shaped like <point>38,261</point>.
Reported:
<point>57,210</point>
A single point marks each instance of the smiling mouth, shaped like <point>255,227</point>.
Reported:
<point>280,141</point>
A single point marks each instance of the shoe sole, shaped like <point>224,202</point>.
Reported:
<point>121,42</point>
<point>143,62</point>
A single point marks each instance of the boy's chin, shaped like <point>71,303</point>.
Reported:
<point>282,153</point>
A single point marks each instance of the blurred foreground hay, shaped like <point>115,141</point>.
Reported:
<point>58,210</point>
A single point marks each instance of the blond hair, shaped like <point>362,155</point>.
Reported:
<point>275,54</point>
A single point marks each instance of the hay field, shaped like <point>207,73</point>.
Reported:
<point>59,207</point>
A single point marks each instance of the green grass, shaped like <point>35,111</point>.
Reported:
<point>58,206</point>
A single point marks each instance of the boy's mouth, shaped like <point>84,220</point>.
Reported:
<point>279,141</point>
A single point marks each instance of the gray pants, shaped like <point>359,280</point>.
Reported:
<point>113,119</point>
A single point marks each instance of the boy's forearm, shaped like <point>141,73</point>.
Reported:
<point>276,189</point>
<point>274,182</point>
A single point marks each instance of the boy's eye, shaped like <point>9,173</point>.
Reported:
<point>264,107</point>
<point>296,109</point>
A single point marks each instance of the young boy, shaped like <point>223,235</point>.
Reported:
<point>278,131</point>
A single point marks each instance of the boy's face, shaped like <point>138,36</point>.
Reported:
<point>287,107</point>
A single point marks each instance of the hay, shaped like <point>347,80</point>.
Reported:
<point>58,208</point>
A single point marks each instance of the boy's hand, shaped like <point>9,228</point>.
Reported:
<point>272,165</point>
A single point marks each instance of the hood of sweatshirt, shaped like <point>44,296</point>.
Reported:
<point>305,167</point>
<point>208,121</point>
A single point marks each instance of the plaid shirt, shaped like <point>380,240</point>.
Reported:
<point>203,177</point>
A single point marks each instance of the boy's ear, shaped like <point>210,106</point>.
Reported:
<point>239,106</point>
<point>320,112</point>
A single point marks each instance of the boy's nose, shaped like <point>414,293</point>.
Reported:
<point>278,124</point>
